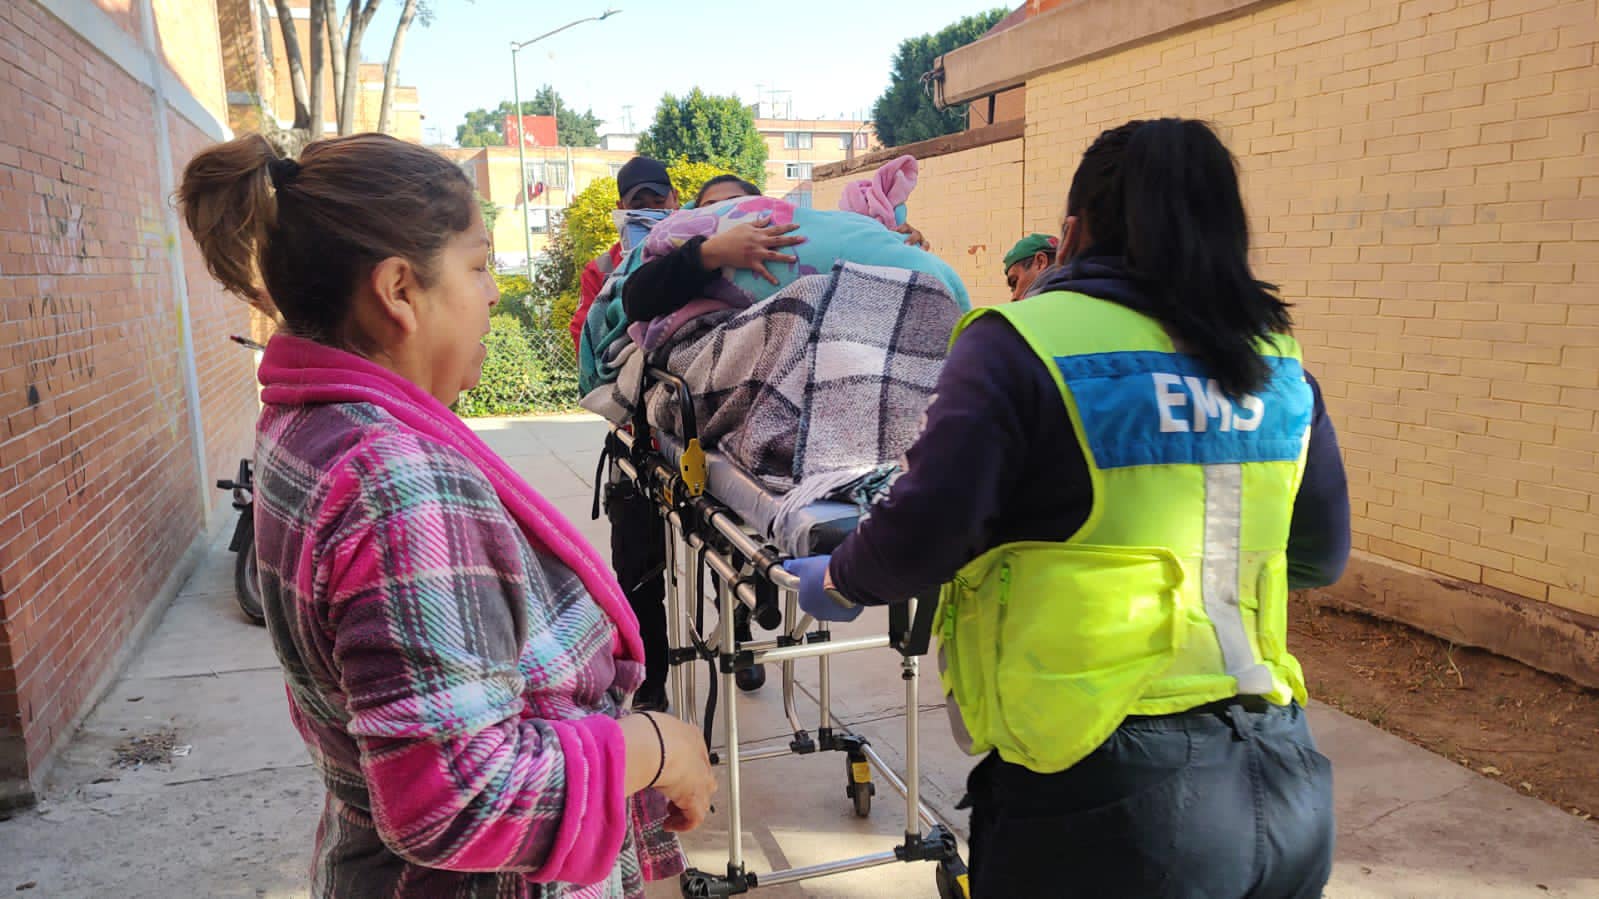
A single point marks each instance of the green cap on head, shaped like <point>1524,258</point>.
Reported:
<point>1030,245</point>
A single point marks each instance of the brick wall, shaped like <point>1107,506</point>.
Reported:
<point>99,494</point>
<point>226,370</point>
<point>187,34</point>
<point>244,66</point>
<point>950,206</point>
<point>1423,182</point>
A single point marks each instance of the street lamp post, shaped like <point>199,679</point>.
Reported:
<point>521,135</point>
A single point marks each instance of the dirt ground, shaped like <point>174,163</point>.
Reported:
<point>1534,731</point>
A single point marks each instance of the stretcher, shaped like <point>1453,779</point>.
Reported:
<point>710,505</point>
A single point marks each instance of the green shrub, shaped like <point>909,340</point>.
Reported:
<point>525,371</point>
<point>561,312</point>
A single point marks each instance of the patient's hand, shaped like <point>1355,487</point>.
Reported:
<point>913,236</point>
<point>750,246</point>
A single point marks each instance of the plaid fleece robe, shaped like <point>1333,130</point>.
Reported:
<point>457,683</point>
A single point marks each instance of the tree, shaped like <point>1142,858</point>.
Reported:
<point>319,47</point>
<point>360,20</point>
<point>699,127</point>
<point>588,219</point>
<point>689,177</point>
<point>423,15</point>
<point>558,268</point>
<point>291,49</point>
<point>905,114</point>
<point>336,42</point>
<point>588,227</point>
<point>491,214</point>
<point>336,26</point>
<point>486,127</point>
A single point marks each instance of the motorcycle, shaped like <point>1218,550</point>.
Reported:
<point>246,587</point>
<point>246,584</point>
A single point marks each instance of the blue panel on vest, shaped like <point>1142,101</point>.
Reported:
<point>1150,408</point>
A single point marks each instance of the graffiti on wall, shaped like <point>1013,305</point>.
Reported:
<point>58,340</point>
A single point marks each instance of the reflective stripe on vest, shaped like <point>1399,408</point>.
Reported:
<point>1224,519</point>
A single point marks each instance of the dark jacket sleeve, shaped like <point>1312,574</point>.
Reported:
<point>945,509</point>
<point>667,284</point>
<point>1318,538</point>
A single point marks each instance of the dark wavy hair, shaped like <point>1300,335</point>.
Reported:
<point>743,185</point>
<point>1164,195</point>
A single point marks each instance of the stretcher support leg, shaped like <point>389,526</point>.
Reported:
<point>729,710</point>
<point>909,670</point>
<point>699,534</point>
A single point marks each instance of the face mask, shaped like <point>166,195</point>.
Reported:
<point>634,224</point>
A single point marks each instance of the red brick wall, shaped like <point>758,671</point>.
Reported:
<point>99,497</point>
<point>226,370</point>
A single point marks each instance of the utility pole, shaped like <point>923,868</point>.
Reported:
<point>521,135</point>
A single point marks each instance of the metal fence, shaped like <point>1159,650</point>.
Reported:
<point>527,371</point>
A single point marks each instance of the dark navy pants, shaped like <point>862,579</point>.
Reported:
<point>1227,801</point>
<point>638,553</point>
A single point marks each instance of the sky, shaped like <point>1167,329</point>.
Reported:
<point>832,56</point>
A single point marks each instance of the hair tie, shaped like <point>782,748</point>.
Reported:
<point>282,171</point>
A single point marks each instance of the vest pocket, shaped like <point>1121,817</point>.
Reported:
<point>1271,593</point>
<point>1082,631</point>
<point>1271,630</point>
<point>964,670</point>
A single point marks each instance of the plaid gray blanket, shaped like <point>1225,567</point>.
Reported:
<point>829,375</point>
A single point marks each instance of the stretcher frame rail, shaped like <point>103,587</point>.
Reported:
<point>703,536</point>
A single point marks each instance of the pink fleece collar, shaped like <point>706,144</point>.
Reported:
<point>299,372</point>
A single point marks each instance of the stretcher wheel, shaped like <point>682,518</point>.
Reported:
<point>859,788</point>
<point>952,879</point>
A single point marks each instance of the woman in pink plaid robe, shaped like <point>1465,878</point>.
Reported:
<point>458,659</point>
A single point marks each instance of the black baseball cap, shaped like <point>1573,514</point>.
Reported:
<point>642,173</point>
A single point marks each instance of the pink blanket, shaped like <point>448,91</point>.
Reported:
<point>883,195</point>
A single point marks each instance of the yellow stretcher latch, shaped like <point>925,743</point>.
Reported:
<point>692,466</point>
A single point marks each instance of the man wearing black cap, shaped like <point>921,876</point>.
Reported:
<point>638,550</point>
<point>644,184</point>
<point>641,184</point>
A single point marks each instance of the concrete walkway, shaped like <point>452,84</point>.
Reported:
<point>233,814</point>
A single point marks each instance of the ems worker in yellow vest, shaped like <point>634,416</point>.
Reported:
<point>1119,481</point>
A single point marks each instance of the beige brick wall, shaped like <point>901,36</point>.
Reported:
<point>1423,183</point>
<point>966,205</point>
<point>187,32</point>
<point>1423,180</point>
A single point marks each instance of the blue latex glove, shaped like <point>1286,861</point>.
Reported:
<point>814,597</point>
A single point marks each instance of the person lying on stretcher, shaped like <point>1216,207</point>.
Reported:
<point>668,283</point>
<point>729,298</point>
